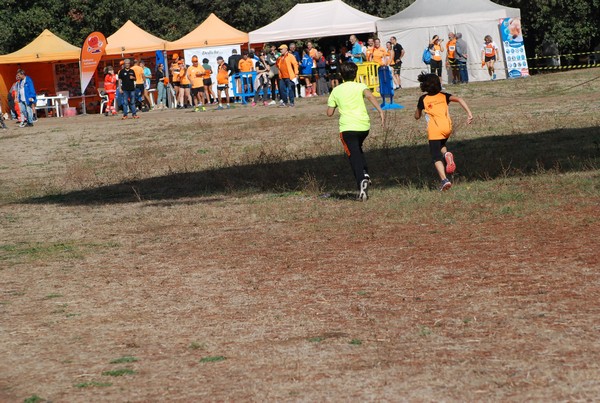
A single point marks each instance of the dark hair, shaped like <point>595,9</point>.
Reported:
<point>219,57</point>
<point>205,60</point>
<point>348,71</point>
<point>244,53</point>
<point>430,83</point>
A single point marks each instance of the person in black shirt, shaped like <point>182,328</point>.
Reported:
<point>233,63</point>
<point>397,62</point>
<point>127,88</point>
<point>333,67</point>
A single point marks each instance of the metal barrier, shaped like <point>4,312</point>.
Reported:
<point>242,85</point>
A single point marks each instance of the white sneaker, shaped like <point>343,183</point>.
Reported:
<point>273,103</point>
<point>23,124</point>
<point>363,195</point>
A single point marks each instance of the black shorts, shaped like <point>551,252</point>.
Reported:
<point>487,59</point>
<point>207,81</point>
<point>222,86</point>
<point>185,85</point>
<point>197,90</point>
<point>334,75</point>
<point>176,83</point>
<point>436,67</point>
<point>452,61</point>
<point>435,148</point>
<point>397,67</point>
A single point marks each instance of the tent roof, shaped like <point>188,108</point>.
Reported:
<point>212,32</point>
<point>429,13</point>
<point>132,39</point>
<point>315,20</point>
<point>47,47</point>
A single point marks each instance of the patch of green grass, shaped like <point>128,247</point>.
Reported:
<point>93,384</point>
<point>425,331</point>
<point>71,315</point>
<point>126,358</point>
<point>361,292</point>
<point>213,358</point>
<point>34,399</point>
<point>202,151</point>
<point>356,342</point>
<point>38,250</point>
<point>119,372</point>
<point>52,296</point>
<point>316,339</point>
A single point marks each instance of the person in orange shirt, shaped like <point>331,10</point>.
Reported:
<point>288,76</point>
<point>208,92</point>
<point>369,49</point>
<point>489,55</point>
<point>139,83</point>
<point>195,74</point>
<point>110,87</point>
<point>436,49</point>
<point>246,65</point>
<point>175,69</point>
<point>439,125</point>
<point>451,61</point>
<point>378,53</point>
<point>222,82</point>
<point>184,87</point>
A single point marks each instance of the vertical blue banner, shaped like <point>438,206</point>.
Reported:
<point>514,49</point>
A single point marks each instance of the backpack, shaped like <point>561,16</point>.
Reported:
<point>426,56</point>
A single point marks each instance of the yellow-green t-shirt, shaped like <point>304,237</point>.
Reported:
<point>348,98</point>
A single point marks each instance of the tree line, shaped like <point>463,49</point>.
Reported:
<point>572,25</point>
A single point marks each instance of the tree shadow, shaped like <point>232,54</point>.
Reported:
<point>484,158</point>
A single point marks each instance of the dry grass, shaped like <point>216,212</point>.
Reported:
<point>222,256</point>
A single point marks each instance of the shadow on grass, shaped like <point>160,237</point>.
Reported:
<point>483,158</point>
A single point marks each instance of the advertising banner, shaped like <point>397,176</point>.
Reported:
<point>91,53</point>
<point>211,54</point>
<point>514,49</point>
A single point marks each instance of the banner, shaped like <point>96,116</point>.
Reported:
<point>91,53</point>
<point>211,54</point>
<point>514,49</point>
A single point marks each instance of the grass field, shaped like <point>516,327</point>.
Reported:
<point>221,256</point>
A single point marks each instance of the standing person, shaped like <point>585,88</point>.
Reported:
<point>208,92</point>
<point>397,61</point>
<point>439,125</point>
<point>222,82</point>
<point>298,56</point>
<point>489,55</point>
<point>195,75</point>
<point>306,72</point>
<point>333,68</point>
<point>13,101</point>
<point>288,72</point>
<point>354,122</point>
<point>321,83</point>
<point>246,65</point>
<point>175,70</point>
<point>462,56</point>
<point>139,83</point>
<point>147,77</point>
<point>451,61</point>
<point>436,49</point>
<point>261,84</point>
<point>378,53</point>
<point>355,53</point>
<point>26,97</point>
<point>185,93</point>
<point>273,73</point>
<point>161,87</point>
<point>110,87</point>
<point>127,88</point>
<point>233,64</point>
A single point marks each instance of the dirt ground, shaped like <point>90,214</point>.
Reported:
<point>247,293</point>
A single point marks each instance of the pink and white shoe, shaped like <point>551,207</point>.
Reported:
<point>450,165</point>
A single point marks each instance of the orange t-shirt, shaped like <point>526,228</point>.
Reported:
<point>451,48</point>
<point>489,49</point>
<point>195,75</point>
<point>222,76</point>
<point>183,76</point>
<point>246,65</point>
<point>437,53</point>
<point>176,70</point>
<point>439,124</point>
<point>139,74</point>
<point>378,54</point>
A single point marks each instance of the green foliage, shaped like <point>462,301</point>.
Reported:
<point>119,372</point>
<point>555,21</point>
<point>123,359</point>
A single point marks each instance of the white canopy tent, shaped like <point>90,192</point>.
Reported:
<point>415,26</point>
<point>315,20</point>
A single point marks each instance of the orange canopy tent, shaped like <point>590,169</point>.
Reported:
<point>131,39</point>
<point>37,60</point>
<point>212,32</point>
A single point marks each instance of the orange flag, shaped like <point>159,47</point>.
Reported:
<point>91,53</point>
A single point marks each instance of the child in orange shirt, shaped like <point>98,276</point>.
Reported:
<point>439,125</point>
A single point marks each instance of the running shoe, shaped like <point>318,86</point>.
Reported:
<point>197,109</point>
<point>135,117</point>
<point>446,184</point>
<point>253,103</point>
<point>228,107</point>
<point>22,124</point>
<point>367,177</point>
<point>124,117</point>
<point>220,108</point>
<point>363,194</point>
<point>494,76</point>
<point>282,105</point>
<point>450,165</point>
<point>273,103</point>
